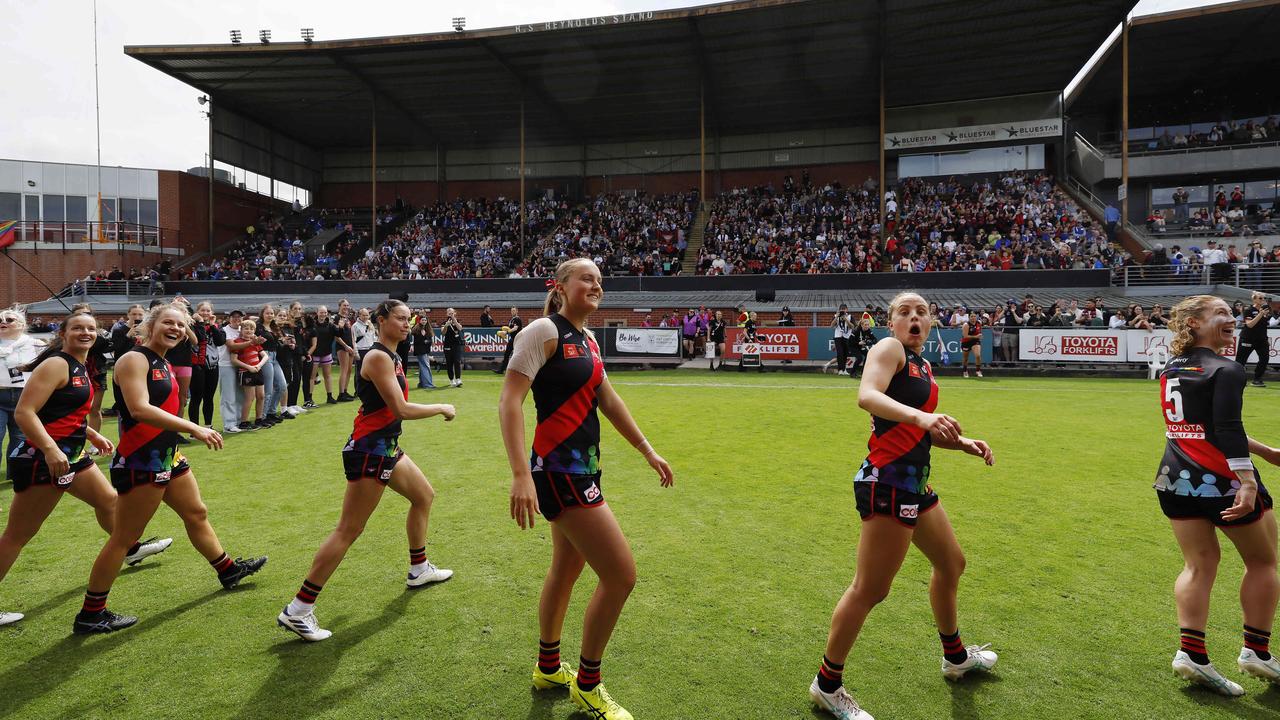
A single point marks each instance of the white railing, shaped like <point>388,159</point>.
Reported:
<point>1259,276</point>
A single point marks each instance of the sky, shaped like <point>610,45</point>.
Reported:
<point>151,120</point>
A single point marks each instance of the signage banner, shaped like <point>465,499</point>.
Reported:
<point>822,344</point>
<point>643,341</point>
<point>1003,132</point>
<point>1072,345</point>
<point>775,343</point>
<point>476,342</point>
<point>1143,344</point>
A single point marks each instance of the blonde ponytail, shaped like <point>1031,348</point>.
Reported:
<point>1183,337</point>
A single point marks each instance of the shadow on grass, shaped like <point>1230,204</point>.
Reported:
<point>1268,701</point>
<point>542,704</point>
<point>964,692</point>
<point>43,674</point>
<point>297,687</point>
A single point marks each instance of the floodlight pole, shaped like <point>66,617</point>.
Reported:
<point>1124,125</point>
<point>881,187</point>
<point>702,141</point>
<point>373,168</point>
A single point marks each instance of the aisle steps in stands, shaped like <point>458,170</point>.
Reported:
<point>696,236</point>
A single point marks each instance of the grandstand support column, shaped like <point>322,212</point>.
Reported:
<point>881,188</point>
<point>521,174</point>
<point>210,183</point>
<point>702,141</point>
<point>1124,126</point>
<point>373,170</point>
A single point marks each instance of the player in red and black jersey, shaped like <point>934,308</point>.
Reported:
<point>559,359</point>
<point>53,414</point>
<point>897,505</point>
<point>1207,481</point>
<point>971,343</point>
<point>96,364</point>
<point>147,468</point>
<point>374,461</point>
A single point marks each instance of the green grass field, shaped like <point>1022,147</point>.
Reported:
<point>1070,576</point>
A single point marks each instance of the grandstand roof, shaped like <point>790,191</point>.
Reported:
<point>768,64</point>
<point>1191,65</point>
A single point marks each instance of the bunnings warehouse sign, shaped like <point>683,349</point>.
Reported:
<point>1003,132</point>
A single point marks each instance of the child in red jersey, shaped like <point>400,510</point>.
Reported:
<point>250,361</point>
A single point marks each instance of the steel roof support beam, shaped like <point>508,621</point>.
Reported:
<point>536,90</point>
<point>388,100</point>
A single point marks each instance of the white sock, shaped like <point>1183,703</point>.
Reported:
<point>297,607</point>
<point>418,569</point>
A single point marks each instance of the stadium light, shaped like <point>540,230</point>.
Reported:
<point>235,37</point>
<point>308,34</point>
<point>459,24</point>
<point>264,37</point>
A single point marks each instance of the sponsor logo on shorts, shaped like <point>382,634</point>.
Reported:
<point>385,475</point>
<point>909,512</point>
<point>593,493</point>
<point>78,381</point>
<point>163,477</point>
<point>64,480</point>
<point>572,351</point>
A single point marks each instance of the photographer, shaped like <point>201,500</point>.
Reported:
<point>1253,337</point>
<point>1013,319</point>
<point>843,325</point>
<point>452,331</point>
<point>859,344</point>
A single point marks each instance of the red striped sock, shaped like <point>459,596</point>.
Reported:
<point>1258,640</point>
<point>588,674</point>
<point>417,556</point>
<point>953,648</point>
<point>830,675</point>
<point>308,593</point>
<point>1193,645</point>
<point>221,563</point>
<point>548,656</point>
<point>94,602</point>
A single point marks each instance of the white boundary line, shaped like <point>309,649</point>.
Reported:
<point>844,384</point>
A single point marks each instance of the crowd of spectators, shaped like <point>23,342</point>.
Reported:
<point>1229,132</point>
<point>626,234</point>
<point>1017,221</point>
<point>458,239</point>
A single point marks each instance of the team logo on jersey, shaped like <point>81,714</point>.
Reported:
<point>913,370</point>
<point>572,351</point>
<point>909,512</point>
<point>593,493</point>
<point>78,381</point>
<point>157,374</point>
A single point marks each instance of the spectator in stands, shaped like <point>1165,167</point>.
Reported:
<point>424,333</point>
<point>1216,260</point>
<point>1158,318</point>
<point>1090,315</point>
<point>960,316</point>
<point>1013,319</point>
<point>1138,319</point>
<point>17,350</point>
<point>1036,317</point>
<point>1111,216</point>
<point>1254,259</point>
<point>1181,198</point>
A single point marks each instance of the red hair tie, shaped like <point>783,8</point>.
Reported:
<point>551,283</point>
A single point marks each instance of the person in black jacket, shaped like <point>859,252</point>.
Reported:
<point>486,319</point>
<point>514,327</point>
<point>423,334</point>
<point>123,339</point>
<point>452,331</point>
<point>204,372</point>
<point>859,344</point>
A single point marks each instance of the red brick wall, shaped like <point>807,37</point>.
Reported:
<point>57,269</point>
<point>233,209</point>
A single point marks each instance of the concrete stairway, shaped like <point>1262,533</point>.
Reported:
<point>696,235</point>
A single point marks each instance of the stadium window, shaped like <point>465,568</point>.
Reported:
<point>129,210</point>
<point>54,208</point>
<point>77,208</point>
<point>1161,196</point>
<point>109,213</point>
<point>147,213</point>
<point>33,208</point>
<point>1264,190</point>
<point>1197,194</point>
<point>10,206</point>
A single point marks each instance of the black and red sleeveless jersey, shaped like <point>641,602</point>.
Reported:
<point>567,439</point>
<point>147,447</point>
<point>899,452</point>
<point>1201,395</point>
<point>64,413</point>
<point>376,430</point>
<point>975,328</point>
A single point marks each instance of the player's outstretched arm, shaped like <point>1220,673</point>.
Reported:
<point>382,371</point>
<point>886,358</point>
<point>1267,453</point>
<point>619,416</point>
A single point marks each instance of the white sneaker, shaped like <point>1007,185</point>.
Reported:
<point>980,658</point>
<point>979,373</point>
<point>1207,675</point>
<point>147,548</point>
<point>297,409</point>
<point>306,626</point>
<point>966,373</point>
<point>839,703</point>
<point>231,430</point>
<point>430,574</point>
<point>1251,664</point>
<point>8,618</point>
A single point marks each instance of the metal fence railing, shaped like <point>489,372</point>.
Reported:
<point>93,235</point>
<point>1257,276</point>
